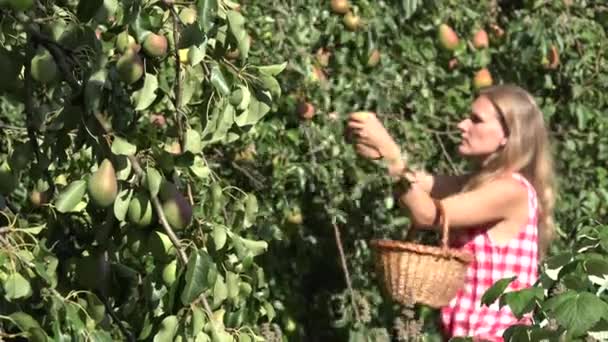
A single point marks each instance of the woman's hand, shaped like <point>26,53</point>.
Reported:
<point>372,140</point>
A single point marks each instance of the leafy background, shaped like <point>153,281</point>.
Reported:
<point>270,190</point>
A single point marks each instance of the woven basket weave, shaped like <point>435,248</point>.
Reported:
<point>415,273</point>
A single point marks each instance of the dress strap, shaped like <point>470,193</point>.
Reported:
<point>532,199</point>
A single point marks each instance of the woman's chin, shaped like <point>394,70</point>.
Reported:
<point>463,150</point>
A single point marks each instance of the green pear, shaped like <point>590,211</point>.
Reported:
<point>178,211</point>
<point>124,42</point>
<point>8,179</point>
<point>140,210</point>
<point>188,15</point>
<point>176,208</point>
<point>102,185</point>
<point>130,67</point>
<point>43,67</point>
<point>169,273</point>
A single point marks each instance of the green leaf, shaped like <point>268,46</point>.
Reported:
<point>101,336</point>
<point>271,84</point>
<point>207,10</point>
<point>24,321</point>
<point>28,324</point>
<point>154,179</point>
<point>123,167</point>
<point>272,70</point>
<point>237,27</point>
<point>196,274</point>
<point>218,81</point>
<point>71,196</point>
<point>577,311</point>
<point>93,91</point>
<point>596,267</point>
<point>32,230</point>
<point>73,317</point>
<point>121,204</point>
<point>167,329</point>
<point>251,210</point>
<point>16,286</point>
<point>198,319</point>
<point>222,125</point>
<point>192,141</point>
<point>232,284</point>
<point>496,290</point>
<point>202,337</point>
<point>219,236</point>
<point>522,301</point>
<point>87,8</point>
<point>269,310</point>
<point>121,146</point>
<point>254,246</point>
<point>256,111</point>
<point>146,96</point>
<point>220,291</point>
<point>200,168</point>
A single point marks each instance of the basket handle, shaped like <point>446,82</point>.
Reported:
<point>445,227</point>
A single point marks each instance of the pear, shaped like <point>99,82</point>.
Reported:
<point>170,273</point>
<point>43,67</point>
<point>155,45</point>
<point>448,37</point>
<point>483,78</point>
<point>130,67</point>
<point>102,185</point>
<point>176,208</point>
<point>140,210</point>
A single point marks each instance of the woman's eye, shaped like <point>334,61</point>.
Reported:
<point>475,119</point>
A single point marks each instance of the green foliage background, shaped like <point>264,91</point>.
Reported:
<point>260,167</point>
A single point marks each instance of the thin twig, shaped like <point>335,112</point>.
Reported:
<point>189,193</point>
<point>345,269</point>
<point>178,79</point>
<point>15,128</point>
<point>256,182</point>
<point>445,153</point>
<point>4,230</point>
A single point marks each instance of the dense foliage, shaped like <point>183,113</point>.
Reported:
<point>181,170</point>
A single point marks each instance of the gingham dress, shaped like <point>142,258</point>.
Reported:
<point>464,315</point>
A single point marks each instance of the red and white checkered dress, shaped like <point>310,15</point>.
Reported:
<point>464,315</point>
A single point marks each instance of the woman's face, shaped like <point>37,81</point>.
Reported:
<point>481,132</point>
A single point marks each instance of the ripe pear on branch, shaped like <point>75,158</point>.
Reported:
<point>102,185</point>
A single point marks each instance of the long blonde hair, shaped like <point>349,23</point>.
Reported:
<point>527,151</point>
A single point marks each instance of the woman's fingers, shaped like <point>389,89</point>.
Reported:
<point>367,151</point>
<point>354,124</point>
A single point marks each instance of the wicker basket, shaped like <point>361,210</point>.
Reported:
<point>415,273</point>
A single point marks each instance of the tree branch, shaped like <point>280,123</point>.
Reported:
<point>178,79</point>
<point>445,153</point>
<point>345,269</point>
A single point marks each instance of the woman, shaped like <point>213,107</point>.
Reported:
<point>501,212</point>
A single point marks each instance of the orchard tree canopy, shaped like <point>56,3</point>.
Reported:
<point>180,170</point>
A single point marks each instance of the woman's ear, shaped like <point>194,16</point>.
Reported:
<point>503,141</point>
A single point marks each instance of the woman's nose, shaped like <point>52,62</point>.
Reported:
<point>462,125</point>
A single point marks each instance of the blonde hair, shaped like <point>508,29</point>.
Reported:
<point>527,151</point>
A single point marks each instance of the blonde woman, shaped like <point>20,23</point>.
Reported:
<point>501,212</point>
